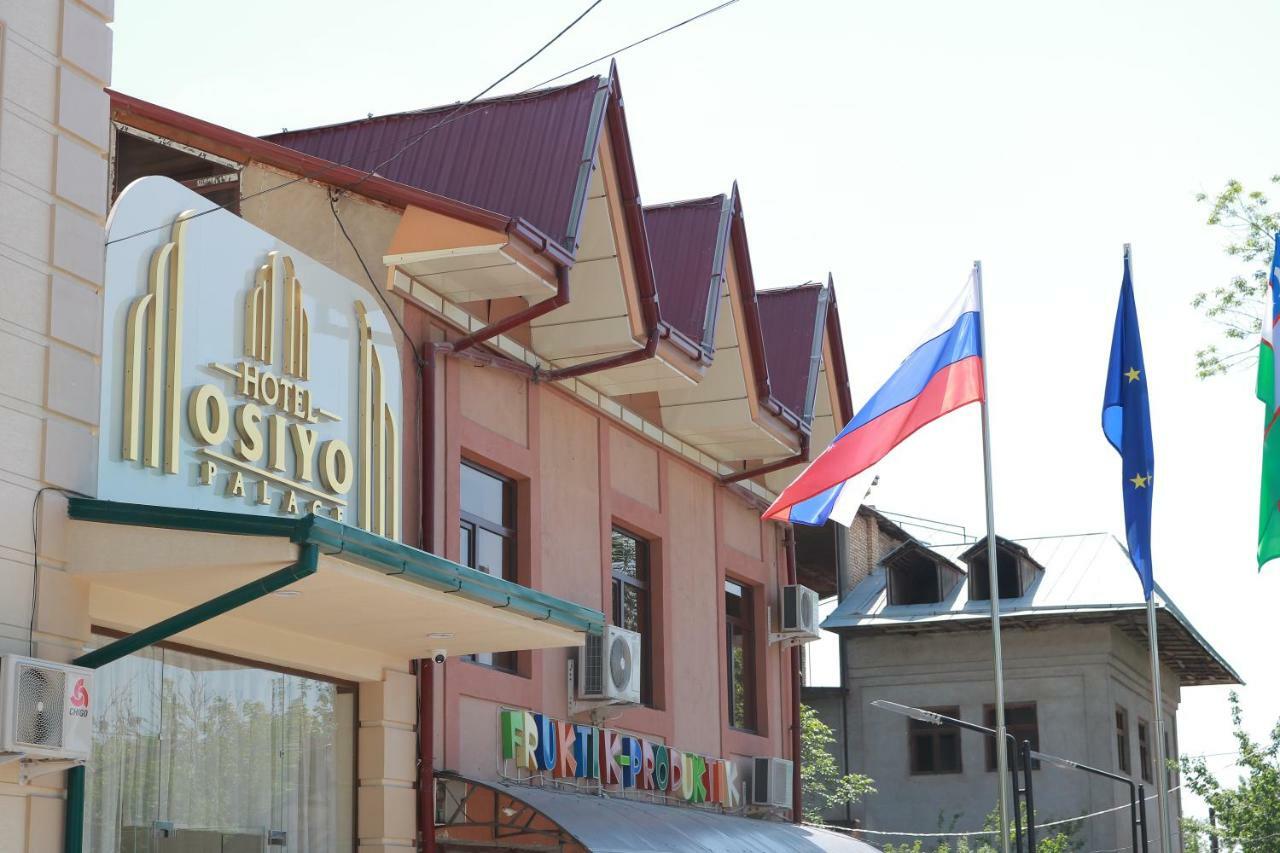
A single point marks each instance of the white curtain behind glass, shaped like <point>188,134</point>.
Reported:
<point>223,751</point>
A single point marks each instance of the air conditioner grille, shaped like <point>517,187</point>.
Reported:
<point>592,666</point>
<point>620,663</point>
<point>39,712</point>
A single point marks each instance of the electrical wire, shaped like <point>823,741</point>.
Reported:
<point>452,116</point>
<point>971,834</point>
<point>35,558</point>
<point>703,14</point>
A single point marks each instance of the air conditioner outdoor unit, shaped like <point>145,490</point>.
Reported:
<point>799,611</point>
<point>44,708</point>
<point>770,782</point>
<point>609,666</point>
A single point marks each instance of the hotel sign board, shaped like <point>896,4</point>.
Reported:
<point>239,374</point>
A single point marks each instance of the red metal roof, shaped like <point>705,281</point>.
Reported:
<point>792,320</point>
<point>687,244</point>
<point>526,155</point>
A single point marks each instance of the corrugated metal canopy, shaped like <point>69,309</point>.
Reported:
<point>615,825</point>
<point>524,155</point>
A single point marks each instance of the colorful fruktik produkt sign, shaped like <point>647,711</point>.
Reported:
<point>541,744</point>
<point>238,373</point>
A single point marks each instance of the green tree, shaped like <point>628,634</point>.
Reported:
<point>1248,814</point>
<point>823,786</point>
<point>1237,305</point>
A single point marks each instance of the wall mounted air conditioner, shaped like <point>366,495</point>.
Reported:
<point>799,612</point>
<point>609,666</point>
<point>44,708</point>
<point>771,782</point>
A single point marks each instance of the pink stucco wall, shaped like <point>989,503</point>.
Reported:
<point>580,473</point>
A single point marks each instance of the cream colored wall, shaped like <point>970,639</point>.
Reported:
<point>55,59</point>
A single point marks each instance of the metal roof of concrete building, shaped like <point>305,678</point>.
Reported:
<point>1085,578</point>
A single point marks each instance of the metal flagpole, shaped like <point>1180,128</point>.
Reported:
<point>1162,778</point>
<point>993,580</point>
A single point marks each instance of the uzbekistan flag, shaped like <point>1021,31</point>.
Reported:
<point>1269,503</point>
<point>941,375</point>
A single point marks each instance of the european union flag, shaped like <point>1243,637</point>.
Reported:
<point>1126,420</point>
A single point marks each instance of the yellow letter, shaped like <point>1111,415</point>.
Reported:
<point>235,486</point>
<point>249,445</point>
<point>336,468</point>
<point>304,449</point>
<point>207,414</point>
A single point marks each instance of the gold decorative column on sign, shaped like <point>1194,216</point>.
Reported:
<point>297,327</point>
<point>153,377</point>
<point>379,442</point>
<point>259,312</point>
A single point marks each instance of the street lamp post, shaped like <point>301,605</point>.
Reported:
<point>1137,807</point>
<point>1011,745</point>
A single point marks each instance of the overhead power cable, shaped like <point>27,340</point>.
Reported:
<point>453,115</point>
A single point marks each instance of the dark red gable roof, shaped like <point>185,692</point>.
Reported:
<point>526,156</point>
<point>792,320</point>
<point>687,245</point>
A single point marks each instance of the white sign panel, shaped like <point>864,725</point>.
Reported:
<point>239,374</point>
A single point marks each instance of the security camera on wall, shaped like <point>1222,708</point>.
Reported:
<point>439,655</point>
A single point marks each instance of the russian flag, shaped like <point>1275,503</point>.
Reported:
<point>941,375</point>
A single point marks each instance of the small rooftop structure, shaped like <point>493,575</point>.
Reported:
<point>1081,579</point>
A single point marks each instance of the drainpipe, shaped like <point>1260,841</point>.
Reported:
<point>797,811</point>
<point>308,559</point>
<point>426,755</point>
<point>607,363</point>
<point>802,456</point>
<point>519,318</point>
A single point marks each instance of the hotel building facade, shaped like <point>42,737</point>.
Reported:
<point>335,458</point>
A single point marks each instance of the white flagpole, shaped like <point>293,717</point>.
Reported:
<point>993,581</point>
<point>1157,705</point>
<point>1162,777</point>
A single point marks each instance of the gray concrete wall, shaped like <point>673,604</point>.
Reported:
<point>1075,674</point>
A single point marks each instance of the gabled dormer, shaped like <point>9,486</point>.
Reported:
<point>558,163</point>
<point>734,412</point>
<point>914,574</point>
<point>1016,571</point>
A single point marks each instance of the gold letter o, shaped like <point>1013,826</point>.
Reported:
<point>337,469</point>
<point>207,414</point>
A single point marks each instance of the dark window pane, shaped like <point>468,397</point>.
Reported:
<point>484,495</point>
<point>464,546</point>
<point>1020,721</point>
<point>934,749</point>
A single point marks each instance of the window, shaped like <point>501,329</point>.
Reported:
<point>739,625</point>
<point>914,580</point>
<point>1019,721</point>
<point>1122,741</point>
<point>487,537</point>
<point>1007,575</point>
<point>1144,749</point>
<point>934,749</point>
<point>631,600</point>
<point>1169,755</point>
<point>225,750</point>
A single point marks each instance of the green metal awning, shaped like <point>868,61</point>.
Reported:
<point>368,593</point>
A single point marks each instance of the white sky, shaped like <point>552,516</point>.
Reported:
<point>892,144</point>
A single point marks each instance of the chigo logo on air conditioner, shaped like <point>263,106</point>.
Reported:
<point>255,433</point>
